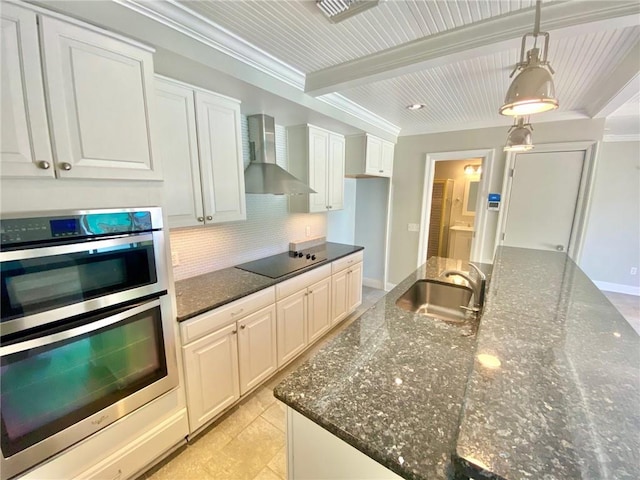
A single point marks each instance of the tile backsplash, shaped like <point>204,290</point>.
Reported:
<point>268,229</point>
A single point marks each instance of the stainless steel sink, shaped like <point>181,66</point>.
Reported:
<point>437,299</point>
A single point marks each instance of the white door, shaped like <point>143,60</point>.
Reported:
<point>335,174</point>
<point>542,202</point>
<point>257,350</point>
<point>179,152</point>
<point>211,375</point>
<point>222,168</point>
<point>25,144</point>
<point>318,165</point>
<point>319,309</point>
<point>340,296</point>
<point>100,94</point>
<point>291,313</point>
<point>374,156</point>
<point>355,286</point>
<point>387,158</point>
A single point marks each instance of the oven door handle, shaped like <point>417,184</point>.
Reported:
<point>73,248</point>
<point>77,331</point>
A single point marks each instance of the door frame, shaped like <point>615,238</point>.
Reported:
<point>585,190</point>
<point>487,155</point>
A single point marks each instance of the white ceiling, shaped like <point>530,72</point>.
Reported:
<point>459,92</point>
<point>455,56</point>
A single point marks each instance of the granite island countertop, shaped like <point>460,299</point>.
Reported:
<point>411,393</point>
<point>202,293</point>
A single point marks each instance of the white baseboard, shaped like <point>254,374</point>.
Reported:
<point>373,283</point>
<point>390,286</point>
<point>618,288</point>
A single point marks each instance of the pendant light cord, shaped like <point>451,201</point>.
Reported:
<point>536,27</point>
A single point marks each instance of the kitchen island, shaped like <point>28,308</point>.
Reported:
<point>548,388</point>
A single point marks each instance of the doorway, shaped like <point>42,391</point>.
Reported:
<point>454,225</point>
<point>546,197</point>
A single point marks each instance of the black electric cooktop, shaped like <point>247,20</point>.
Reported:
<point>283,264</point>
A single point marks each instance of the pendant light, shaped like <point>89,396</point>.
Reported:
<point>532,91</point>
<point>519,139</point>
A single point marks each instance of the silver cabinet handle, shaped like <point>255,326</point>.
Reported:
<point>380,171</point>
<point>235,331</point>
<point>233,314</point>
<point>43,164</point>
<point>201,219</point>
<point>65,166</point>
<point>209,217</point>
<point>560,248</point>
<point>310,292</point>
<point>242,327</point>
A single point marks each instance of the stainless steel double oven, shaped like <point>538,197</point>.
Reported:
<point>86,333</point>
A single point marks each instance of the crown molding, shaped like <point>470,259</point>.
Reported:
<point>341,102</point>
<point>197,27</point>
<point>635,137</point>
<point>189,23</point>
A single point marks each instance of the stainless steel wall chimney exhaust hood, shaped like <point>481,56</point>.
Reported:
<point>263,175</point>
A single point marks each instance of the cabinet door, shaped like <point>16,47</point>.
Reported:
<point>25,144</point>
<point>335,173</point>
<point>211,375</point>
<point>374,156</point>
<point>178,146</point>
<point>291,313</point>
<point>318,165</point>
<point>319,309</point>
<point>101,102</point>
<point>387,158</point>
<point>222,168</point>
<point>339,296</point>
<point>257,347</point>
<point>355,286</point>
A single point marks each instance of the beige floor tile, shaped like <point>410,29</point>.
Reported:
<point>276,416</point>
<point>279,463</point>
<point>264,397</point>
<point>267,474</point>
<point>208,443</point>
<point>184,466</point>
<point>239,419</point>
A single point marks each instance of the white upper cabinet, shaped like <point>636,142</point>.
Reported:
<point>369,156</point>
<point>26,148</point>
<point>99,96</point>
<point>201,149</point>
<point>221,166</point>
<point>316,156</point>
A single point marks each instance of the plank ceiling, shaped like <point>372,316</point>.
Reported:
<point>458,94</point>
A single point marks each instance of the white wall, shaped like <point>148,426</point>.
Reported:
<point>341,224</point>
<point>371,218</point>
<point>267,231</point>
<point>612,241</point>
<point>409,169</point>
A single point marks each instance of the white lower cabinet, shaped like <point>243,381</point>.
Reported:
<point>211,375</point>
<point>257,348</point>
<point>292,326</point>
<point>346,286</point>
<point>319,309</point>
<point>226,353</point>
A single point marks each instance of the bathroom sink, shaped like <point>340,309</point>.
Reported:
<point>437,299</point>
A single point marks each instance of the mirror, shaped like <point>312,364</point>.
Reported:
<point>470,196</point>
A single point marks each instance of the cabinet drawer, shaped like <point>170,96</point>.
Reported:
<point>345,262</point>
<point>288,287</point>
<point>195,328</point>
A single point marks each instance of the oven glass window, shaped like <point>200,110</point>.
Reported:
<point>38,284</point>
<point>47,389</point>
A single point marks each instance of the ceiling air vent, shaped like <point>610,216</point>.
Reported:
<point>339,10</point>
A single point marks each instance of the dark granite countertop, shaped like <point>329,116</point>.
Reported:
<point>202,293</point>
<point>565,401</point>
<point>391,384</point>
<point>411,393</point>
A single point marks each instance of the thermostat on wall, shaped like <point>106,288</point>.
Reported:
<point>493,202</point>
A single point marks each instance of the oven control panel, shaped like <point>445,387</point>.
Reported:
<point>44,229</point>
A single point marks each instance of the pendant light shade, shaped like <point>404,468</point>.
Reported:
<point>532,91</point>
<point>519,139</point>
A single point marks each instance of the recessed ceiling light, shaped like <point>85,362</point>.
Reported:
<point>416,106</point>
